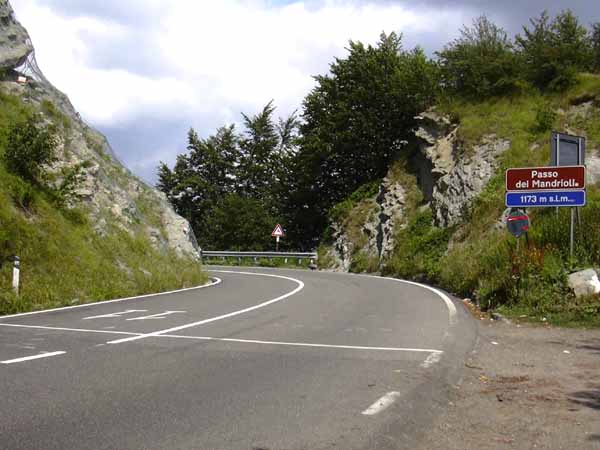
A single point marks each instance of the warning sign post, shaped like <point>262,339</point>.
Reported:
<point>277,234</point>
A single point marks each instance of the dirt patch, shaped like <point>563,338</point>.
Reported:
<point>525,387</point>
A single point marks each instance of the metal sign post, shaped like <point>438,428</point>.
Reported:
<point>567,150</point>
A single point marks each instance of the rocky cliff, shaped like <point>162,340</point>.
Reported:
<point>447,175</point>
<point>108,191</point>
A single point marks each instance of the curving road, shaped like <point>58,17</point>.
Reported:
<point>262,359</point>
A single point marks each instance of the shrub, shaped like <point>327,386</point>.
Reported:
<point>30,146</point>
<point>481,62</point>
<point>418,249</point>
<point>545,117</point>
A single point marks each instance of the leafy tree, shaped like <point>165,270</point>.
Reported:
<point>241,223</point>
<point>554,51</point>
<point>355,121</point>
<point>260,157</point>
<point>481,62</point>
<point>30,148</point>
<point>595,44</point>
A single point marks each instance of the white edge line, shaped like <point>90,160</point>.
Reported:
<point>452,313</point>
<point>29,358</point>
<point>242,341</point>
<point>381,404</point>
<point>214,282</point>
<point>224,316</point>
<point>305,344</point>
<point>80,330</point>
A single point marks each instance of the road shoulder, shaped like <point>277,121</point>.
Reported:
<point>524,387</point>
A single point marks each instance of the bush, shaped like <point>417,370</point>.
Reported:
<point>545,117</point>
<point>554,51</point>
<point>418,249</point>
<point>30,146</point>
<point>481,63</point>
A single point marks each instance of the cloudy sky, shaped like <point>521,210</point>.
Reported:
<point>144,71</point>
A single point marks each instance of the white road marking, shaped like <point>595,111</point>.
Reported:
<point>224,316</point>
<point>214,282</point>
<point>157,316</point>
<point>242,341</point>
<point>449,304</point>
<point>29,358</point>
<point>381,404</point>
<point>432,359</point>
<point>117,314</point>
<point>304,344</point>
<point>80,330</point>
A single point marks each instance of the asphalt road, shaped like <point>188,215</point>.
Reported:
<point>265,359</point>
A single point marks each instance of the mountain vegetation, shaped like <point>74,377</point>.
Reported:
<point>64,259</point>
<point>320,171</point>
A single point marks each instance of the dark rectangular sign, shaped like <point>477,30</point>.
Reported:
<point>545,199</point>
<point>545,178</point>
<point>567,150</point>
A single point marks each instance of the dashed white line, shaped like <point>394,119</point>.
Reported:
<point>224,316</point>
<point>214,282</point>
<point>80,330</point>
<point>381,404</point>
<point>29,358</point>
<point>157,316</point>
<point>432,359</point>
<point>117,314</point>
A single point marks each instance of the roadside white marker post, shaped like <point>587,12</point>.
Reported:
<point>16,271</point>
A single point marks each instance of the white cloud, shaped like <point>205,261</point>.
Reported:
<point>216,58</point>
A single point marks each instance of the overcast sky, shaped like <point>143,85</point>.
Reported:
<point>144,71</point>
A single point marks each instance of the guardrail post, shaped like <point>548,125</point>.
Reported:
<point>16,273</point>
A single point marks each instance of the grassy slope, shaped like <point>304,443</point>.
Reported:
<point>479,259</point>
<point>63,261</point>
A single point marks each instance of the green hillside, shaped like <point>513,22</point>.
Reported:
<point>64,259</point>
<point>477,258</point>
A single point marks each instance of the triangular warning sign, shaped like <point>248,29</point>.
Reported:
<point>278,231</point>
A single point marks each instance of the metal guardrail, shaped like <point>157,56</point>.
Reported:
<point>312,256</point>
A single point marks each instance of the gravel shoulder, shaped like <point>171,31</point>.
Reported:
<point>525,387</point>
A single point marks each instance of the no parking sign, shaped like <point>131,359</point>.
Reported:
<point>517,222</point>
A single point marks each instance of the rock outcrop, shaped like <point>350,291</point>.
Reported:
<point>15,45</point>
<point>111,194</point>
<point>449,175</point>
<point>389,214</point>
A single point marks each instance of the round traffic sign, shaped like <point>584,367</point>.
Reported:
<point>517,222</point>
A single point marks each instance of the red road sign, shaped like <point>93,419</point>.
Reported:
<point>278,231</point>
<point>546,178</point>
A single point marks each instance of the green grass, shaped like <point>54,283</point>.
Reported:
<point>482,261</point>
<point>64,261</point>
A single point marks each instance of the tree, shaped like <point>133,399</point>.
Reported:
<point>240,223</point>
<point>354,122</point>
<point>481,62</point>
<point>554,51</point>
<point>260,156</point>
<point>595,45</point>
<point>30,148</point>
